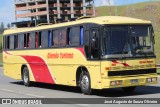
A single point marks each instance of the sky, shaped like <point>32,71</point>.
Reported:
<point>7,7</point>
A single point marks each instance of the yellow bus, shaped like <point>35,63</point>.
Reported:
<point>92,53</point>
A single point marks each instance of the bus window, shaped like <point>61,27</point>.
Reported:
<point>68,41</point>
<point>28,40</point>
<point>4,42</point>
<point>86,38</point>
<point>94,43</point>
<point>50,40</point>
<point>8,42</point>
<point>32,40</point>
<point>44,38</point>
<point>63,37</point>
<point>39,39</point>
<point>25,40</point>
<point>11,42</point>
<point>86,42</point>
<point>74,38</point>
<point>56,38</point>
<point>36,40</point>
<point>15,41</point>
<point>21,41</point>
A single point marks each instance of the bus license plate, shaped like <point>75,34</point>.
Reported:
<point>134,81</point>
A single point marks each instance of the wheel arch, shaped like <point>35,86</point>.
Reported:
<point>78,72</point>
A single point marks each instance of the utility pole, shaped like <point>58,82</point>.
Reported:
<point>110,10</point>
<point>126,7</point>
<point>115,8</point>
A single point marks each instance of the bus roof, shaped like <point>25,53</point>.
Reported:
<point>96,20</point>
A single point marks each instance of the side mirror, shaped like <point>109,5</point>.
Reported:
<point>153,35</point>
<point>153,40</point>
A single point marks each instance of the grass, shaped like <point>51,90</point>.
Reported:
<point>158,71</point>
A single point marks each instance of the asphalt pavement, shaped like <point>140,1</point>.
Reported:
<point>10,88</point>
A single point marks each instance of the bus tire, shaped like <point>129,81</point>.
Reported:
<point>85,83</point>
<point>129,89</point>
<point>25,77</point>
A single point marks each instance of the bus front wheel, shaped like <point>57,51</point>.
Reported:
<point>85,83</point>
<point>25,77</point>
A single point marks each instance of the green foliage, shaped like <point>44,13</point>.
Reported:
<point>1,27</point>
<point>158,71</point>
<point>8,25</point>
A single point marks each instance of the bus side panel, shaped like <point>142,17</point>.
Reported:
<point>61,64</point>
<point>12,64</point>
<point>95,74</point>
<point>64,74</point>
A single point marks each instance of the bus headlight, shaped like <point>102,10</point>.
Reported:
<point>149,80</point>
<point>154,79</point>
<point>115,83</point>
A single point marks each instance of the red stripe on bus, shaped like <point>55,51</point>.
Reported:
<point>39,69</point>
<point>82,51</point>
<point>124,64</point>
<point>7,53</point>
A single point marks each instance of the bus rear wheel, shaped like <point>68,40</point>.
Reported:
<point>25,77</point>
<point>85,83</point>
<point>129,89</point>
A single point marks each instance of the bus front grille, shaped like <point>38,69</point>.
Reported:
<point>132,72</point>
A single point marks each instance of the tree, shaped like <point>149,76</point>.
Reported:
<point>9,25</point>
<point>1,27</point>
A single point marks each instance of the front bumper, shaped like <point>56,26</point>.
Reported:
<point>127,81</point>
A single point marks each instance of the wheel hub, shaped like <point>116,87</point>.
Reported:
<point>85,82</point>
<point>25,76</point>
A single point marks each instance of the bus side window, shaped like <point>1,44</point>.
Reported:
<point>32,40</point>
<point>44,38</point>
<point>4,42</point>
<point>74,36</point>
<point>40,39</point>
<point>56,38</point>
<point>67,38</point>
<point>25,40</point>
<point>15,41</point>
<point>11,42</point>
<point>36,40</point>
<point>63,37</point>
<point>21,41</point>
<point>50,36</point>
<point>7,42</point>
<point>28,40</point>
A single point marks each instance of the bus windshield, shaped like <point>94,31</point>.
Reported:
<point>127,41</point>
